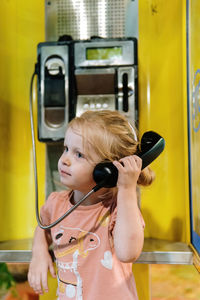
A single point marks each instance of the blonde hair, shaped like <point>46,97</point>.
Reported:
<point>111,136</point>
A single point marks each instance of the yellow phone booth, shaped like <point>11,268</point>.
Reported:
<point>164,81</point>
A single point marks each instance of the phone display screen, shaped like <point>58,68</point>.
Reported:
<point>103,53</point>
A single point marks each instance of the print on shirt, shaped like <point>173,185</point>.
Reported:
<point>71,244</point>
<point>107,260</point>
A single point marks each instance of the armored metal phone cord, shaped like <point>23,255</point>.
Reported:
<point>96,188</point>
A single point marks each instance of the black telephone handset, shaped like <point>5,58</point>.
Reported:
<point>105,174</point>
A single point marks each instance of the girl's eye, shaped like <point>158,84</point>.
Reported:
<point>66,148</point>
<point>79,155</point>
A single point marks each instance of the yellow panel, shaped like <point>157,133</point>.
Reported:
<point>22,27</point>
<point>142,279</point>
<point>194,92</point>
<point>163,108</point>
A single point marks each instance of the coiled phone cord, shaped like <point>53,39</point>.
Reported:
<point>95,189</point>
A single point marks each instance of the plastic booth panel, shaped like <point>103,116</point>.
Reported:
<point>193,60</point>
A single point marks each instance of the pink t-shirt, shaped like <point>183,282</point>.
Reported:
<point>88,268</point>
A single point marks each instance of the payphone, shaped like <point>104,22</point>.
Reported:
<point>74,76</point>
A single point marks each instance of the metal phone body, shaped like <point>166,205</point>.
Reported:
<point>53,90</point>
<point>106,75</point>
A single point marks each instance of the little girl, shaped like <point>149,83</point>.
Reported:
<point>97,243</point>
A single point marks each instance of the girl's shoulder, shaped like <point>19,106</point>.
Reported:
<point>58,197</point>
<point>57,201</point>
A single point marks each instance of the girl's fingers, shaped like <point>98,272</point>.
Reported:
<point>138,161</point>
<point>118,165</point>
<point>131,161</point>
<point>52,270</point>
<point>38,287</point>
<point>35,283</point>
<point>44,282</point>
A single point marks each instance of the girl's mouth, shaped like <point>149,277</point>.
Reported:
<point>64,173</point>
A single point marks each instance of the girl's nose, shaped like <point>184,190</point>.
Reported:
<point>66,160</point>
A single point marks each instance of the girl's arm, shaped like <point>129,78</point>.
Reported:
<point>41,262</point>
<point>129,227</point>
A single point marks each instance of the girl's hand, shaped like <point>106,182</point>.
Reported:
<point>129,169</point>
<point>38,270</point>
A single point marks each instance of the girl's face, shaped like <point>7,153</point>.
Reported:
<point>74,167</point>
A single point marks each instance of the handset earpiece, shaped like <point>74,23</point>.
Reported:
<point>105,174</point>
<point>152,144</point>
